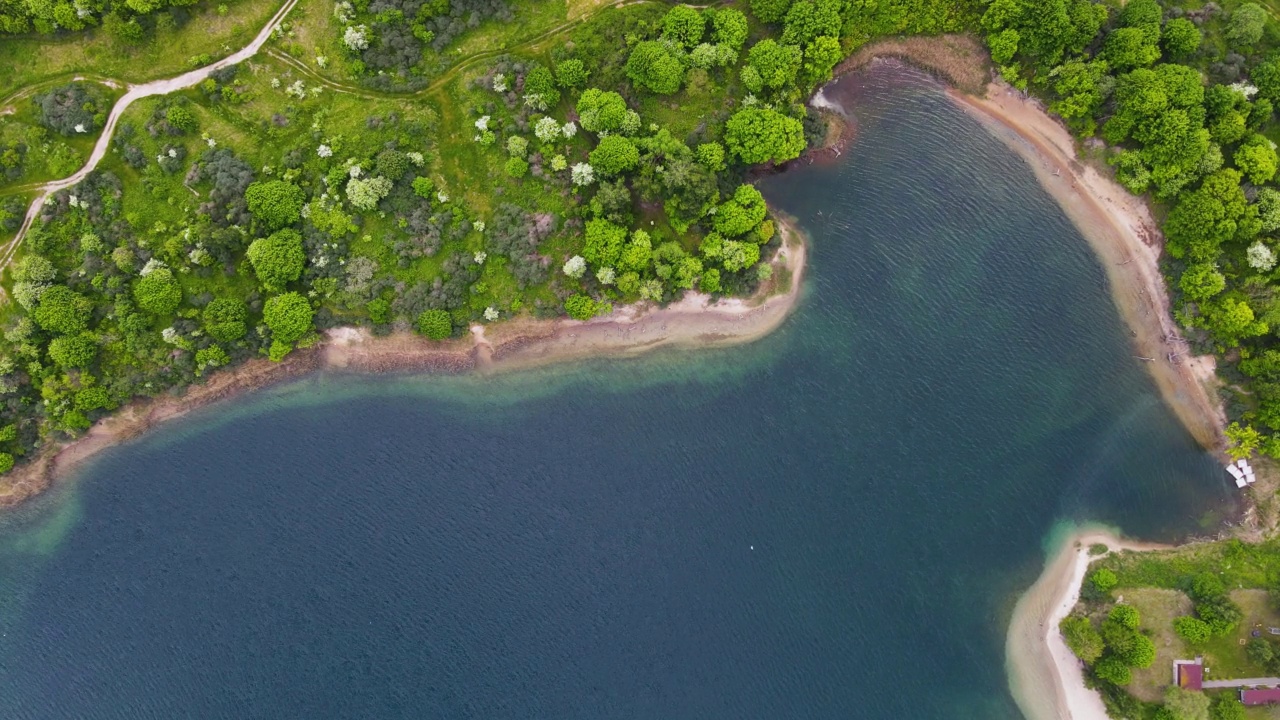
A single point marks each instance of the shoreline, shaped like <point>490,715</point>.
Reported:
<point>1120,229</point>
<point>1045,677</point>
<point>517,344</point>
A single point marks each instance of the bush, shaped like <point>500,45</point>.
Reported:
<point>6,462</point>
<point>181,118</point>
<point>435,324</point>
<point>581,307</point>
<point>68,110</point>
<point>1192,630</point>
<point>158,292</point>
<point>571,74</point>
<point>517,167</point>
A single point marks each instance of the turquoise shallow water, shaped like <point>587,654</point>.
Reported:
<point>830,523</point>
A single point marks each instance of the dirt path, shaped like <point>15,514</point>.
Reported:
<point>137,92</point>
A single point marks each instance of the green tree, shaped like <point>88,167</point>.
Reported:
<point>615,154</point>
<point>1209,216</point>
<point>652,67</point>
<point>74,351</point>
<point>1103,580</point>
<point>1181,37</point>
<point>6,462</point>
<point>158,292</point>
<point>1201,281</point>
<point>1003,45</point>
<point>1258,650</point>
<point>603,245</point>
<point>684,25</point>
<point>770,11</point>
<point>820,57</point>
<point>728,27</point>
<point>758,135</point>
<point>540,88</point>
<point>62,310</point>
<point>278,259</point>
<point>1125,615</point>
<point>711,155</point>
<point>1080,88</point>
<point>1226,707</point>
<point>809,19</point>
<point>737,255</point>
<point>1082,638</point>
<point>225,319</point>
<point>1256,158</point>
<point>275,203</point>
<point>1192,630</point>
<point>1113,670</point>
<point>1128,48</point>
<point>710,281</point>
<point>1230,319</point>
<point>1244,442</point>
<point>599,110</point>
<point>571,73</point>
<point>288,316</point>
<point>1186,704</point>
<point>516,167</point>
<point>1246,25</point>
<point>435,324</point>
<point>745,210</point>
<point>391,164</point>
<point>777,64</point>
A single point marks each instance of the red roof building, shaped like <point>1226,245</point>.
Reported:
<point>1190,675</point>
<point>1260,696</point>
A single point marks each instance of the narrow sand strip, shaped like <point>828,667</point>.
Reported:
<point>1045,677</point>
<point>1119,227</point>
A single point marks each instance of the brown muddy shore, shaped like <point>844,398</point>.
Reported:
<point>694,321</point>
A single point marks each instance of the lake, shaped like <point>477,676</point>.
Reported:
<point>833,522</point>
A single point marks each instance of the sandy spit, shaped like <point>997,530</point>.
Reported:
<point>1119,227</point>
<point>694,321</point>
<point>1045,677</point>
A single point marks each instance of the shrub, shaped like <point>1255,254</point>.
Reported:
<point>1193,630</point>
<point>6,462</point>
<point>435,324</point>
<point>181,118</point>
<point>517,167</point>
<point>581,307</point>
<point>571,74</point>
<point>1103,580</point>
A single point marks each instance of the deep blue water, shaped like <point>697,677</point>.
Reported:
<point>831,523</point>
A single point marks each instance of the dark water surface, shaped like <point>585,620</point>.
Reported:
<point>831,523</point>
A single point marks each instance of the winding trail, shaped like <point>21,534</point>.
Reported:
<point>137,92</point>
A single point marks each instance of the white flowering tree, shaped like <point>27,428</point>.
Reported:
<point>606,275</point>
<point>1261,257</point>
<point>569,130</point>
<point>576,267</point>
<point>583,174</point>
<point>517,146</point>
<point>365,194</point>
<point>356,38</point>
<point>491,313</point>
<point>324,151</point>
<point>500,83</point>
<point>547,130</point>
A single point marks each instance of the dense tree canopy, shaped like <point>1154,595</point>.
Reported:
<point>278,259</point>
<point>275,203</point>
<point>758,135</point>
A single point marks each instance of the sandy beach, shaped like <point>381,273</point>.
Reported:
<point>1119,227</point>
<point>1045,677</point>
<point>694,321</point>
